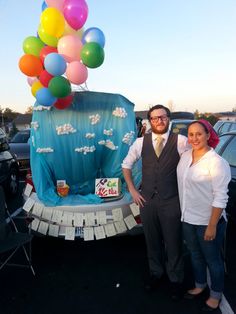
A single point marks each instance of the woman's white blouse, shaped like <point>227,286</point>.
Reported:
<point>202,186</point>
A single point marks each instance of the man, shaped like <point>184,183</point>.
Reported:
<point>158,198</point>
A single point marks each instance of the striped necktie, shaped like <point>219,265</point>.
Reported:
<point>159,145</point>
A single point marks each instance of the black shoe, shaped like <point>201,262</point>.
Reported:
<point>203,294</point>
<point>153,283</point>
<point>177,291</point>
<point>207,308</point>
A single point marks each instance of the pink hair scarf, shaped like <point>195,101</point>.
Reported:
<point>214,138</point>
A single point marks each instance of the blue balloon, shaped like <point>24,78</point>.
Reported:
<point>93,34</point>
<point>55,64</point>
<point>44,6</point>
<point>45,98</point>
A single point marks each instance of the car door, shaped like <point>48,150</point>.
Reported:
<point>228,152</point>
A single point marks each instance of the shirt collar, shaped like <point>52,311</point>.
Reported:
<point>165,136</point>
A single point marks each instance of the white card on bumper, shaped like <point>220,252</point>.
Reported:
<point>99,232</point>
<point>88,234</point>
<point>135,209</point>
<point>117,214</point>
<point>130,221</point>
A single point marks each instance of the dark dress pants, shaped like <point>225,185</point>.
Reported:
<point>162,230</point>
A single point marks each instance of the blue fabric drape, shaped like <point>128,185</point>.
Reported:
<point>101,122</point>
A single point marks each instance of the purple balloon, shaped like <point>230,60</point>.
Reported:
<point>75,13</point>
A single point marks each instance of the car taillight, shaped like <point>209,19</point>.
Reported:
<point>138,220</point>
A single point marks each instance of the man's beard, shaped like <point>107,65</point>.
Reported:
<point>163,131</point>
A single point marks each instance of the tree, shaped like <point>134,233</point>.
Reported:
<point>13,130</point>
<point>9,114</point>
<point>212,119</point>
<point>29,109</point>
<point>170,105</point>
<point>206,116</point>
<point>196,114</point>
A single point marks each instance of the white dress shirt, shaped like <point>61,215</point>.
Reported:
<point>202,185</point>
<point>135,150</point>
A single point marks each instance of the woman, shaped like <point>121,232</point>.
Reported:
<point>203,178</point>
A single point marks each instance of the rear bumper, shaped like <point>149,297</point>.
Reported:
<point>66,223</point>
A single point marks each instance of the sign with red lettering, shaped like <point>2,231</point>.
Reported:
<point>107,187</point>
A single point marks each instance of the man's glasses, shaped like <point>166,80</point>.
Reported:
<point>162,118</point>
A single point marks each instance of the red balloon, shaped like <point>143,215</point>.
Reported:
<point>63,103</point>
<point>45,78</point>
<point>45,51</point>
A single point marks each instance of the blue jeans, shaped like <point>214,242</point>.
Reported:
<point>206,254</point>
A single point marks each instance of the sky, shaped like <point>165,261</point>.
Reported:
<point>181,52</point>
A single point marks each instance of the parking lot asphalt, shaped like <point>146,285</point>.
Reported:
<point>94,277</point>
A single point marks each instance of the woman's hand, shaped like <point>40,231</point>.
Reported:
<point>210,233</point>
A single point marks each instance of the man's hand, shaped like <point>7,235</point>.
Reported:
<point>137,197</point>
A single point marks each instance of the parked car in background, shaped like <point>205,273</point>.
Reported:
<point>217,125</point>
<point>20,146</point>
<point>227,149</point>
<point>181,115</point>
<point>9,170</point>
<point>179,122</point>
<point>224,126</point>
<point>180,126</point>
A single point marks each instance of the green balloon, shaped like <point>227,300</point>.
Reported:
<point>59,87</point>
<point>32,45</point>
<point>92,55</point>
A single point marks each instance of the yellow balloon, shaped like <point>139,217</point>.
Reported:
<point>53,22</point>
<point>46,38</point>
<point>35,87</point>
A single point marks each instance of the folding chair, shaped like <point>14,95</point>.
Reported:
<point>11,240</point>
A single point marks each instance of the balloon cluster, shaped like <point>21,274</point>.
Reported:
<point>61,53</point>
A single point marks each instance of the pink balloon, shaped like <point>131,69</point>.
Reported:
<point>70,46</point>
<point>31,80</point>
<point>58,4</point>
<point>77,72</point>
<point>75,13</point>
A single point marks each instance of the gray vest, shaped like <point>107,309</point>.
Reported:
<point>159,174</point>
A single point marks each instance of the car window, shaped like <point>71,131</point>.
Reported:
<point>230,152</point>
<point>224,128</point>
<point>180,128</point>
<point>233,126</point>
<point>217,125</point>
<point>223,140</point>
<point>21,137</point>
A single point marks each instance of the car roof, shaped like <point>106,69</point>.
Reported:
<point>228,133</point>
<point>182,120</point>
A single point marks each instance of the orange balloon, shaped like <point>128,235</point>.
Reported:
<point>30,65</point>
